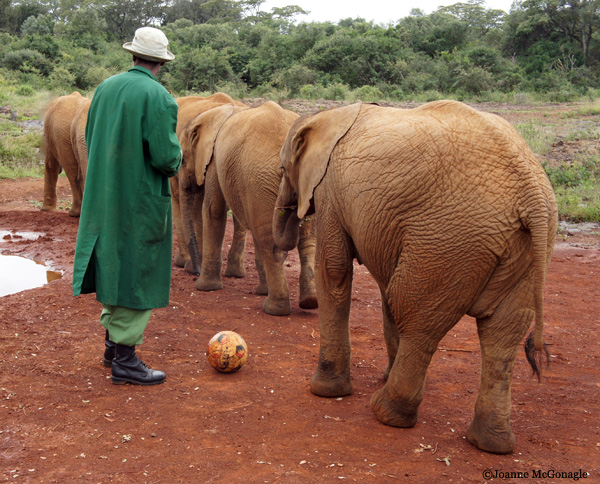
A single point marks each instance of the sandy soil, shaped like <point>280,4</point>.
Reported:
<point>62,421</point>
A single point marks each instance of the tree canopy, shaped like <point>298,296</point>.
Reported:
<point>540,45</point>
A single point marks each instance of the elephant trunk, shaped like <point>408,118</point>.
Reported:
<point>286,224</point>
<point>187,197</point>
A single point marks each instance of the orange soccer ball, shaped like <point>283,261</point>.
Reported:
<point>227,352</point>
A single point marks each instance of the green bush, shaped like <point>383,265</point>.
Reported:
<point>311,91</point>
<point>25,90</point>
<point>336,92</point>
<point>27,60</point>
<point>567,175</point>
<point>367,94</point>
<point>61,79</point>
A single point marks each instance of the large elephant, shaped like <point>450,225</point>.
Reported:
<point>60,153</point>
<point>233,154</point>
<point>189,108</point>
<point>452,214</point>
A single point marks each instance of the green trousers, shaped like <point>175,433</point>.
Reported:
<point>125,325</point>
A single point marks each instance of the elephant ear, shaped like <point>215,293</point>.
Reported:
<point>204,129</point>
<point>309,147</point>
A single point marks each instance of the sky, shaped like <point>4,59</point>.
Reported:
<point>380,11</point>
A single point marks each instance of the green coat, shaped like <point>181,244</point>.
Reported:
<point>125,240</point>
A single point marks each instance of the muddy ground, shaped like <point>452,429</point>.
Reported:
<point>62,421</point>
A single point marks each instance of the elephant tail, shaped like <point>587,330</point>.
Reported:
<point>539,227</point>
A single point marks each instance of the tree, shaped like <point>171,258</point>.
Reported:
<point>40,25</point>
<point>573,20</point>
<point>123,17</point>
<point>85,28</point>
<point>476,16</point>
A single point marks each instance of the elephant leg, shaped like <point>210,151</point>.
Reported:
<point>500,337</point>
<point>277,302</point>
<point>422,319</point>
<point>74,176</point>
<point>390,333</point>
<point>51,172</point>
<point>235,256</point>
<point>306,251</point>
<point>333,279</point>
<point>214,222</point>
<point>262,288</point>
<point>183,255</point>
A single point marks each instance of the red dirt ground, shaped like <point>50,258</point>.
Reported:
<point>62,421</point>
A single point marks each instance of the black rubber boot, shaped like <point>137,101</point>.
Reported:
<point>109,351</point>
<point>128,368</point>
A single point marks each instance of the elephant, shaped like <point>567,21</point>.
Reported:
<point>77,132</point>
<point>190,107</point>
<point>232,153</point>
<point>61,153</point>
<point>452,214</point>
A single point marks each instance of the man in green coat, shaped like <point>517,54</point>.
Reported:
<point>124,243</point>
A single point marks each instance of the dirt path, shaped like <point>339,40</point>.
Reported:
<point>62,421</point>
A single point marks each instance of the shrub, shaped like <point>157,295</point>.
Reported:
<point>61,79</point>
<point>311,91</point>
<point>25,90</point>
<point>367,94</point>
<point>336,92</point>
<point>26,60</point>
<point>567,175</point>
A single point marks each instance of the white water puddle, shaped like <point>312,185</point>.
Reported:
<point>19,273</point>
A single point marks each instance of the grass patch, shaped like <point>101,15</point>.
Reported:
<point>589,109</point>
<point>580,204</point>
<point>577,188</point>
<point>20,155</point>
<point>539,138</point>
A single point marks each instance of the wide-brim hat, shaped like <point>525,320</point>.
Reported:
<point>149,44</point>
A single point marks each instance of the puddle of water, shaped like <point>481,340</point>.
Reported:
<point>8,235</point>
<point>18,274</point>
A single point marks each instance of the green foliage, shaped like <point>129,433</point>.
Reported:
<point>577,188</point>
<point>461,51</point>
<point>367,94</point>
<point>580,204</point>
<point>20,154</point>
<point>26,60</point>
<point>25,90</point>
<point>40,25</point>
<point>85,28</point>
<point>567,175</point>
<point>539,138</point>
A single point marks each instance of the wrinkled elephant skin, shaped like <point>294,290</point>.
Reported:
<point>452,214</point>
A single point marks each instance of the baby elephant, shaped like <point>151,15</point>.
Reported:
<point>452,214</point>
<point>65,149</point>
<point>232,152</point>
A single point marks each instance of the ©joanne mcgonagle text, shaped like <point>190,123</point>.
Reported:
<point>535,474</point>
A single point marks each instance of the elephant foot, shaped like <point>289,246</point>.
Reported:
<point>262,289</point>
<point>48,208</point>
<point>390,412</point>
<point>179,260</point>
<point>308,302</point>
<point>489,439</point>
<point>275,307</point>
<point>235,270</point>
<point>205,284</point>
<point>74,212</point>
<point>330,386</point>
<point>189,267</point>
